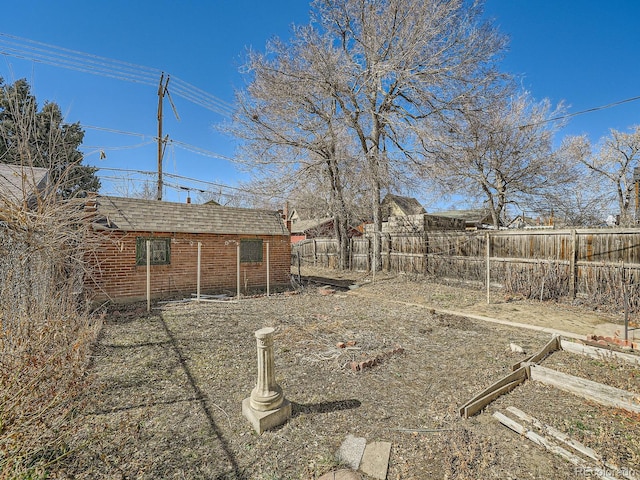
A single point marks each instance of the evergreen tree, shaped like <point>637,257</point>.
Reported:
<point>41,138</point>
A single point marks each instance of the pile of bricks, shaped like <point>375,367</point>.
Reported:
<point>607,341</point>
<point>378,359</point>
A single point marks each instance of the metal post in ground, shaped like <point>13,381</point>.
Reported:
<point>148,244</point>
<point>198,279</point>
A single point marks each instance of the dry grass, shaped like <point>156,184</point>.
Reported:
<point>166,402</point>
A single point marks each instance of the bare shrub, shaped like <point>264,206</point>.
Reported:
<point>544,280</point>
<point>46,331</point>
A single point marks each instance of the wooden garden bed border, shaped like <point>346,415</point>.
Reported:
<point>528,369</point>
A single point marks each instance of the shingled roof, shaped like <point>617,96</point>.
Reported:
<point>137,215</point>
<point>302,226</point>
<point>403,206</point>
<point>19,184</point>
<point>471,217</point>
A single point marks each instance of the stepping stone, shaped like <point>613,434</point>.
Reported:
<point>375,460</point>
<point>341,475</point>
<point>351,450</point>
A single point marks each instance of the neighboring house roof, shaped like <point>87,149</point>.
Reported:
<point>473,217</point>
<point>293,216</point>
<point>523,222</point>
<point>137,215</point>
<point>476,216</point>
<point>302,226</point>
<point>395,205</point>
<point>18,183</point>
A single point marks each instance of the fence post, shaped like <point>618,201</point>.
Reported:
<point>374,260</point>
<point>426,252</point>
<point>572,265</point>
<point>625,296</point>
<point>488,241</point>
<point>389,243</point>
<point>315,253</point>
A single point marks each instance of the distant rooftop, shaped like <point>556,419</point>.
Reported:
<point>18,183</point>
<point>407,205</point>
<point>469,216</point>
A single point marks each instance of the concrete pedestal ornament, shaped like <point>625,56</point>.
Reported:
<point>266,408</point>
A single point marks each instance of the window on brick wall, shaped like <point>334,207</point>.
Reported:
<point>160,251</point>
<point>251,250</point>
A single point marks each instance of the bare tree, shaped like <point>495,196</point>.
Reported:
<point>360,83</point>
<point>226,198</point>
<point>135,188</point>
<point>403,63</point>
<point>288,120</point>
<point>499,151</point>
<point>613,162</point>
<point>582,200</point>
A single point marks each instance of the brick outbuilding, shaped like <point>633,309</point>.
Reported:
<point>122,226</point>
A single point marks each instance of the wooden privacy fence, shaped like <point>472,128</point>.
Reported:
<point>601,264</point>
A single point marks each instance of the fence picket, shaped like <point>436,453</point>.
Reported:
<point>536,263</point>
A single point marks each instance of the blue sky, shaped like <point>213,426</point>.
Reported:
<point>582,52</point>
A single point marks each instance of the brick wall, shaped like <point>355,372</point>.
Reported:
<point>116,276</point>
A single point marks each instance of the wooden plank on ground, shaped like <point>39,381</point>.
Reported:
<point>492,392</point>
<point>543,442</point>
<point>564,438</point>
<point>598,353</point>
<point>550,347</point>
<point>557,434</point>
<point>478,404</point>
<point>539,440</point>
<point>597,392</point>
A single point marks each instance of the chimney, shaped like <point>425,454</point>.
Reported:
<point>90,205</point>
<point>188,199</point>
<point>285,216</point>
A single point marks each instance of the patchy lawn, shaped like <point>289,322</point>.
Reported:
<point>166,400</point>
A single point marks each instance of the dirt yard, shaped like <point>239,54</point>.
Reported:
<point>169,386</point>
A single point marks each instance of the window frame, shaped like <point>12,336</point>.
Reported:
<point>141,250</point>
<point>251,253</point>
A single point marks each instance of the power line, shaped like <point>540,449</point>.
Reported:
<point>154,138</point>
<point>121,147</point>
<point>112,130</point>
<point>48,54</point>
<point>245,191</point>
<point>581,112</point>
<point>198,150</point>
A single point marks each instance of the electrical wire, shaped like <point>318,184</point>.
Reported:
<point>112,130</point>
<point>581,112</point>
<point>122,147</point>
<point>170,141</point>
<point>40,52</point>
<point>198,150</point>
<point>247,192</point>
<point>48,54</point>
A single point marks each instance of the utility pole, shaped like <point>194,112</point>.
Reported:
<point>162,91</point>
